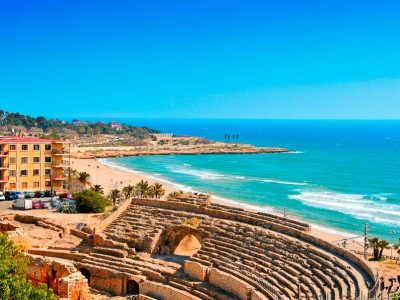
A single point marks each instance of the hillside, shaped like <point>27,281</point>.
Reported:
<point>18,124</point>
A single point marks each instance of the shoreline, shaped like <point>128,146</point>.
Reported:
<point>101,171</point>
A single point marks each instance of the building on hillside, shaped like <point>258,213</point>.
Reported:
<point>162,136</point>
<point>32,164</point>
<point>116,126</point>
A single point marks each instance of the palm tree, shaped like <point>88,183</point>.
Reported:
<point>128,191</point>
<point>98,189</point>
<point>173,195</point>
<point>378,246</point>
<point>157,190</point>
<point>84,178</point>
<point>142,188</point>
<point>114,196</point>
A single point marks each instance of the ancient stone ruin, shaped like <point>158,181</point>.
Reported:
<point>191,248</point>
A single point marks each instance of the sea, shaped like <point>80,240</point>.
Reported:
<point>338,176</point>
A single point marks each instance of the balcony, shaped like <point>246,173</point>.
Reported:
<point>3,166</point>
<point>4,179</point>
<point>60,152</point>
<point>59,164</point>
<point>58,177</point>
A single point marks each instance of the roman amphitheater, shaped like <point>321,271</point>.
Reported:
<point>190,248</point>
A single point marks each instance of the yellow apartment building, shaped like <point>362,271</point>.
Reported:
<point>32,164</point>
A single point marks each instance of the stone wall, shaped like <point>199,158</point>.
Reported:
<point>291,231</point>
<point>165,292</point>
<point>59,275</point>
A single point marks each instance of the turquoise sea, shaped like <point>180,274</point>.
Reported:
<point>340,175</point>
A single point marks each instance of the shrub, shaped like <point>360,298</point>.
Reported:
<point>89,201</point>
<point>192,222</point>
<point>13,282</point>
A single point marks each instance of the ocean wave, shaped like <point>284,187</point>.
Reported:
<point>358,206</point>
<point>282,182</point>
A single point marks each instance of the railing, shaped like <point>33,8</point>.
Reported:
<point>3,152</point>
<point>59,152</point>
<point>4,166</point>
<point>132,297</point>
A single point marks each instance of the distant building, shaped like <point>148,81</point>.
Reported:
<point>32,164</point>
<point>162,136</point>
<point>116,126</point>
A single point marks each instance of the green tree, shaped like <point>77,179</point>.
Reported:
<point>88,201</point>
<point>84,178</point>
<point>98,189</point>
<point>142,189</point>
<point>114,196</point>
<point>13,282</point>
<point>156,190</point>
<point>128,191</point>
<point>377,246</point>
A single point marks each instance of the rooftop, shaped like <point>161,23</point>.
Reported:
<point>14,139</point>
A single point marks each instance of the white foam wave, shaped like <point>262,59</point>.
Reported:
<point>282,182</point>
<point>294,152</point>
<point>359,206</point>
<point>202,174</point>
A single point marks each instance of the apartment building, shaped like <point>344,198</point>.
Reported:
<point>32,164</point>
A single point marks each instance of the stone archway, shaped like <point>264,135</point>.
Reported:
<point>132,287</point>
<point>183,240</point>
<point>86,273</point>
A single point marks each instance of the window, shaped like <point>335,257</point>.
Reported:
<point>36,147</point>
<point>24,160</point>
<point>47,147</point>
<point>36,184</point>
<point>24,172</point>
<point>47,171</point>
<point>12,186</point>
<point>12,173</point>
<point>24,147</point>
<point>36,159</point>
<point>13,147</point>
<point>12,160</point>
<point>24,185</point>
<point>48,183</point>
<point>47,159</point>
<point>36,172</point>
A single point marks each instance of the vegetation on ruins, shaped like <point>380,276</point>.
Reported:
<point>52,128</point>
<point>174,195</point>
<point>13,269</point>
<point>396,296</point>
<point>192,222</point>
<point>88,201</point>
<point>98,189</point>
<point>378,246</point>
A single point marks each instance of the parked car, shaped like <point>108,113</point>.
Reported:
<point>2,197</point>
<point>40,194</point>
<point>14,195</point>
<point>37,204</point>
<point>29,195</point>
<point>22,203</point>
<point>65,195</point>
<point>50,193</point>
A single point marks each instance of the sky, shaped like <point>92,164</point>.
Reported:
<point>201,59</point>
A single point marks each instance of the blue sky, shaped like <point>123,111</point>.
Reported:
<point>222,59</point>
